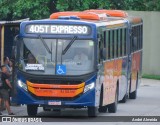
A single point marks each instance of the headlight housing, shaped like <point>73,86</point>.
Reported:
<point>22,85</point>
<point>89,87</point>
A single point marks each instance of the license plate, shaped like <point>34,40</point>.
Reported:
<point>54,103</point>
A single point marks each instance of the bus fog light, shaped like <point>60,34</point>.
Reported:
<point>22,85</point>
<point>89,87</point>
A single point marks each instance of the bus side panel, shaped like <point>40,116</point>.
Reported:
<point>113,71</point>
<point>135,70</point>
<point>123,78</point>
<point>108,81</point>
<point>140,67</point>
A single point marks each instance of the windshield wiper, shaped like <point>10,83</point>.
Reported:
<point>45,45</point>
<point>69,45</point>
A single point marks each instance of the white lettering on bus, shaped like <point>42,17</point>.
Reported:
<point>39,28</point>
<point>58,29</point>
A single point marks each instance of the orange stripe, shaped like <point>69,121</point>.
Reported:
<point>55,92</point>
<point>82,15</point>
<point>49,86</point>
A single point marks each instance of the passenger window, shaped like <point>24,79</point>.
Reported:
<point>109,45</point>
<point>117,41</point>
<point>113,45</point>
<point>110,41</point>
<point>121,35</point>
<point>125,41</point>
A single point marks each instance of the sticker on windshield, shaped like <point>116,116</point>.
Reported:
<point>90,43</point>
<point>34,67</point>
<point>61,69</point>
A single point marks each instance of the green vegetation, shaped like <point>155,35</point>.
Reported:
<point>18,9</point>
<point>157,77</point>
<point>40,9</point>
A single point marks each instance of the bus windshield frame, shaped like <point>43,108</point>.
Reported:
<point>44,56</point>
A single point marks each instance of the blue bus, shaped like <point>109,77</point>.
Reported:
<point>86,59</point>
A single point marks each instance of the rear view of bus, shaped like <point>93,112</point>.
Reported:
<point>60,65</point>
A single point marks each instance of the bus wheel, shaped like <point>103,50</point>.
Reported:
<point>133,95</point>
<point>112,108</point>
<point>92,111</point>
<point>102,109</point>
<point>124,99</point>
<point>32,110</point>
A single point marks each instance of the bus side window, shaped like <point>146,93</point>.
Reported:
<point>118,35</point>
<point>133,36</point>
<point>125,39</point>
<point>109,44</point>
<point>121,35</point>
<point>106,42</point>
<point>116,43</point>
<point>135,39</point>
<point>138,38</point>
<point>113,43</point>
<point>141,35</point>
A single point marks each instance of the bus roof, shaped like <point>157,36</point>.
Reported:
<point>13,22</point>
<point>112,13</point>
<point>81,15</point>
<point>99,19</point>
<point>97,16</point>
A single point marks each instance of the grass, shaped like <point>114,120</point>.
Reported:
<point>149,76</point>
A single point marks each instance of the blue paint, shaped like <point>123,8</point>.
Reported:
<point>61,69</point>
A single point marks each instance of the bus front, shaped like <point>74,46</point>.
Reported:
<point>57,65</point>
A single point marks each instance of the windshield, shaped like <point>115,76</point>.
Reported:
<point>47,57</point>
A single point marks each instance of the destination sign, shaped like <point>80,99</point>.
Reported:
<point>57,29</point>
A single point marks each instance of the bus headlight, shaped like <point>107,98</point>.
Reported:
<point>89,87</point>
<point>22,85</point>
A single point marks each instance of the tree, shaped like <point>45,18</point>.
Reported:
<point>139,5</point>
<point>40,9</point>
<point>18,9</point>
<point>79,5</point>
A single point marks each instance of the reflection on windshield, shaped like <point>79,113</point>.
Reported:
<point>78,59</point>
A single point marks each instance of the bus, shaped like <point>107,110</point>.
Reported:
<point>90,59</point>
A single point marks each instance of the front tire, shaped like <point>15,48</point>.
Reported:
<point>92,111</point>
<point>32,110</point>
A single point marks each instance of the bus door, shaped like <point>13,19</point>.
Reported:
<point>8,31</point>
